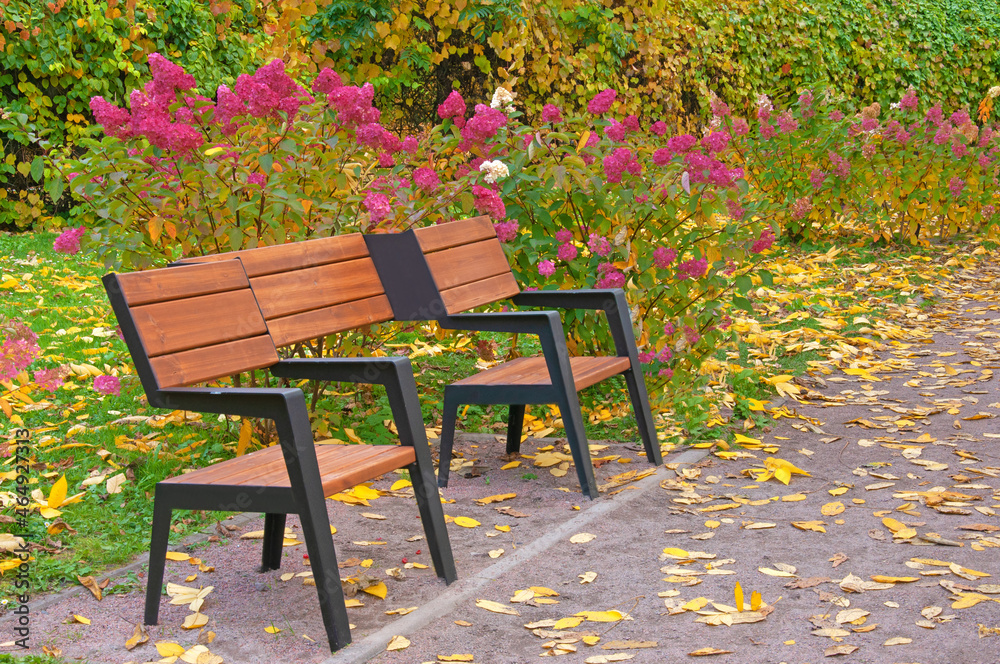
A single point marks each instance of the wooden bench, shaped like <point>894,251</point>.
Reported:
<point>196,323</point>
<point>438,272</point>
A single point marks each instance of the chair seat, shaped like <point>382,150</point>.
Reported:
<point>340,467</point>
<point>587,371</point>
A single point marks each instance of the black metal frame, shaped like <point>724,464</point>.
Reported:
<point>287,407</point>
<point>413,295</point>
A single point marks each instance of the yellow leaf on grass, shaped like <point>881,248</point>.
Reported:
<point>466,522</point>
<point>398,643</point>
<point>271,629</point>
<point>601,616</point>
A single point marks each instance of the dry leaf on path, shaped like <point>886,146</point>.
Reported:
<point>139,636</point>
<point>702,652</point>
<point>582,538</point>
<point>843,649</point>
<point>496,607</point>
<point>398,643</point>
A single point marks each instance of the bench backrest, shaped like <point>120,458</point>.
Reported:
<point>442,270</point>
<point>312,288</point>
<point>190,324</point>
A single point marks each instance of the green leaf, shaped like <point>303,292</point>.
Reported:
<point>766,278</point>
<point>743,283</point>
<point>742,303</point>
<point>37,168</point>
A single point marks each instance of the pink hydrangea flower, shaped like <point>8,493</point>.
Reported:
<point>615,131</point>
<point>488,202</point>
<point>18,350</point>
<point>354,105</point>
<point>817,177</point>
<point>108,385</point>
<point>546,268</point>
<point>663,156</point>
<point>482,126</point>
<point>426,178</point>
<point>717,141</point>
<point>691,335</point>
<point>659,128</point>
<point>567,252</point>
<point>764,242</point>
<point>378,206</point>
<point>551,113</point>
<point>327,81</point>
<point>787,123</point>
<point>599,245</point>
<point>602,101</point>
<point>692,269</point>
<point>736,211</point>
<point>453,107</point>
<point>719,108</point>
<point>564,235</point>
<point>663,257</point>
<point>740,127</point>
<point>631,123</point>
<point>668,328</point>
<point>801,207</point>
<point>666,373</point>
<point>410,145</point>
<point>836,116</point>
<point>506,230</point>
<point>646,356</point>
<point>935,115</point>
<point>257,179</point>
<point>611,276</point>
<point>50,379</point>
<point>665,355</point>
<point>618,162</point>
<point>68,241</point>
<point>909,100</point>
<point>115,120</point>
<point>955,186</point>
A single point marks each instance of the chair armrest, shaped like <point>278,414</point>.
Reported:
<point>528,322</point>
<point>394,373</point>
<point>611,301</point>
<point>270,403</point>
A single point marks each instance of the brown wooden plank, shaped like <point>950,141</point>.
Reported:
<point>299,290</point>
<point>340,466</point>
<point>293,255</point>
<point>169,284</point>
<point>210,362</point>
<point>454,233</point>
<point>468,263</point>
<point>462,298</point>
<point>586,371</point>
<point>170,327</point>
<point>329,320</point>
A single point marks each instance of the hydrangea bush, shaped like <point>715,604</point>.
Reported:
<point>597,200</point>
<point>908,173</point>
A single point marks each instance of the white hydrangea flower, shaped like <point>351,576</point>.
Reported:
<point>503,96</point>
<point>495,170</point>
<point>994,92</point>
<point>763,101</point>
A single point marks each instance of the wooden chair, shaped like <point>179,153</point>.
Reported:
<point>438,272</point>
<point>196,323</point>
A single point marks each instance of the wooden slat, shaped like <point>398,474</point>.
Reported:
<point>169,284</point>
<point>454,233</point>
<point>340,467</point>
<point>478,293</point>
<point>586,371</point>
<point>210,362</point>
<point>468,263</point>
<point>299,290</point>
<point>321,322</point>
<point>293,255</point>
<point>170,327</point>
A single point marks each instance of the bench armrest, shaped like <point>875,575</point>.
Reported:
<point>265,402</point>
<point>394,373</point>
<point>610,300</point>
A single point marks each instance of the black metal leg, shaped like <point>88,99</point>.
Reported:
<point>643,417</point>
<point>432,516</point>
<point>576,436</point>
<point>157,559</point>
<point>323,561</point>
<point>449,414</point>
<point>515,424</point>
<point>274,538</point>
